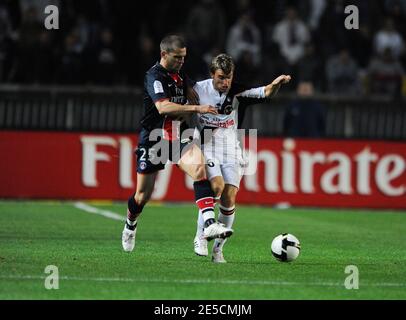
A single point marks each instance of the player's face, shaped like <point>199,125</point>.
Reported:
<point>174,60</point>
<point>222,81</point>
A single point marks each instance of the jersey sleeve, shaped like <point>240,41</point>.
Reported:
<point>249,96</point>
<point>256,93</point>
<point>157,87</point>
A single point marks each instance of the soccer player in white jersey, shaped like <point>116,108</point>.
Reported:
<point>225,161</point>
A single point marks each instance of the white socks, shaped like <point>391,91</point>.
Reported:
<point>200,224</point>
<point>226,216</point>
<point>131,223</point>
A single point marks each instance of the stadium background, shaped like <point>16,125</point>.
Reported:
<point>86,79</point>
<point>70,105</point>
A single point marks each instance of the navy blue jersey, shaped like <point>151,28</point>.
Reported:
<point>160,84</point>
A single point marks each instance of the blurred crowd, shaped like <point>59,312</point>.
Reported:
<point>114,42</point>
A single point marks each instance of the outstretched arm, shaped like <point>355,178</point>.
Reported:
<point>266,91</point>
<point>166,107</point>
<point>272,89</point>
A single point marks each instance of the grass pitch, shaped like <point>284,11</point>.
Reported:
<point>86,248</point>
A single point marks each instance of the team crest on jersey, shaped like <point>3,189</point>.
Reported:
<point>143,165</point>
<point>228,109</point>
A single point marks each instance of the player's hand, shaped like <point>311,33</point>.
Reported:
<point>207,109</point>
<point>282,79</point>
<point>272,89</point>
<point>192,96</point>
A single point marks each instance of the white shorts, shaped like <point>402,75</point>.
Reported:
<point>231,172</point>
<point>224,160</point>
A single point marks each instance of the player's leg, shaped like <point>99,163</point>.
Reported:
<point>217,185</point>
<point>226,215</point>
<point>146,175</point>
<point>145,186</point>
<point>192,163</point>
<point>227,205</point>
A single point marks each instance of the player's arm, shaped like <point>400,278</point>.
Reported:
<point>166,107</point>
<point>272,89</point>
<point>158,90</point>
<point>191,94</point>
<point>267,91</point>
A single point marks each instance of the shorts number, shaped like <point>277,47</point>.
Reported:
<point>210,163</point>
<point>144,152</point>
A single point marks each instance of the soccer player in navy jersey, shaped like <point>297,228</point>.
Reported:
<point>165,108</point>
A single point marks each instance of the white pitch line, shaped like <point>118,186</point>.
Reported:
<point>104,213</point>
<point>206,281</point>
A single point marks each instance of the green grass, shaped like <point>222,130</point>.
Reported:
<point>86,248</point>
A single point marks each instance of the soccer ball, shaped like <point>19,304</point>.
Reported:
<point>285,247</point>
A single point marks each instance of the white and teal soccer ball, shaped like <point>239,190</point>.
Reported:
<point>285,247</point>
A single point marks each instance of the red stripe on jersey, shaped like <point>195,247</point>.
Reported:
<point>178,80</point>
<point>171,131</point>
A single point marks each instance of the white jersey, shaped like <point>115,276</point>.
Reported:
<point>224,146</point>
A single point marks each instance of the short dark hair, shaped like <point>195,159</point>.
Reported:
<point>172,42</point>
<point>223,62</point>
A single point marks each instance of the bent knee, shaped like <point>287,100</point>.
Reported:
<point>227,202</point>
<point>228,197</point>
<point>217,187</point>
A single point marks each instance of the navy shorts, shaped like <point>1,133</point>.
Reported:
<point>150,158</point>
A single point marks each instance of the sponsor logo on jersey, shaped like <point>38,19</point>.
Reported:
<point>220,124</point>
